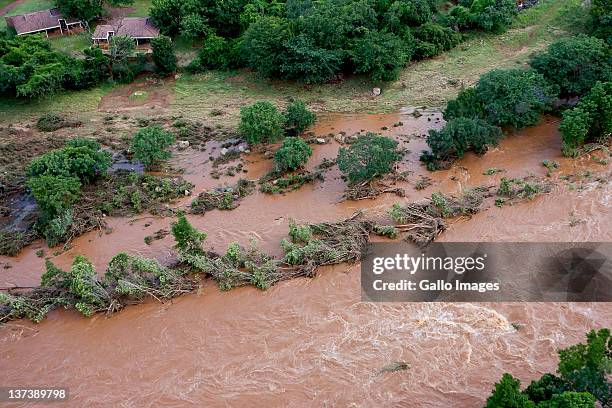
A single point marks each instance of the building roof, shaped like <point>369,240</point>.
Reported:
<point>37,21</point>
<point>135,27</point>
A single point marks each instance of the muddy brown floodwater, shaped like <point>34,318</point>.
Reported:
<point>311,342</point>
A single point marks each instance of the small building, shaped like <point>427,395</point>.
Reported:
<point>141,29</point>
<point>47,21</point>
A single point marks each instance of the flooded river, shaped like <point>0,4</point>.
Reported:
<point>311,342</point>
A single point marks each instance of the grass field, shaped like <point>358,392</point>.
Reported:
<point>426,83</point>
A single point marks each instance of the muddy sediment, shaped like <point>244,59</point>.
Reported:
<point>311,341</point>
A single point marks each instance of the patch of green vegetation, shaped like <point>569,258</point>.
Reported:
<point>71,44</point>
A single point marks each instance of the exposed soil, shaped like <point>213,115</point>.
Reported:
<point>311,341</point>
<point>145,93</point>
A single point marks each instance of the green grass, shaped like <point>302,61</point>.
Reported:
<point>27,7</point>
<point>141,8</point>
<point>71,44</point>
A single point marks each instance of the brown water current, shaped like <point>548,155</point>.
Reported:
<point>311,342</point>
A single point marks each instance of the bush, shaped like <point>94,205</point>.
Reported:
<point>507,393</point>
<point>493,15</point>
<point>433,39</point>
<point>50,122</point>
<point>163,54</point>
<point>292,155</point>
<point>54,194</point>
<point>461,135</point>
<point>601,20</point>
<point>511,97</point>
<point>575,63</point>
<point>590,120</point>
<point>370,156</point>
<point>81,162</point>
<point>264,45</point>
<point>304,61</point>
<point>298,117</point>
<point>460,17</point>
<point>150,145</point>
<point>381,55</point>
<point>261,122</point>
<point>214,54</point>
<point>188,239</point>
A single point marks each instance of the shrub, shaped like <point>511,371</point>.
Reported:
<point>601,20</point>
<point>188,239</point>
<point>298,117</point>
<point>370,156</point>
<point>214,54</point>
<point>304,61</point>
<point>81,162</point>
<point>433,39</point>
<point>163,54</point>
<point>150,145</point>
<point>590,120</point>
<point>50,122</point>
<point>493,15</point>
<point>194,26</point>
<point>261,122</point>
<point>292,155</point>
<point>511,97</point>
<point>54,194</point>
<point>263,45</point>
<point>460,17</point>
<point>381,55</point>
<point>461,135</point>
<point>575,63</point>
<point>507,393</point>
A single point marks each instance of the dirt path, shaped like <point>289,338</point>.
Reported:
<point>5,10</point>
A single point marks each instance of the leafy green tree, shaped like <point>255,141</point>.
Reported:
<point>214,54</point>
<point>150,145</point>
<point>590,120</point>
<point>379,54</point>
<point>163,54</point>
<point>514,97</point>
<point>54,194</point>
<point>298,117</point>
<point>292,155</point>
<point>601,20</point>
<point>370,156</point>
<point>264,45</point>
<point>188,239</point>
<point>433,39</point>
<point>570,399</point>
<point>304,61</point>
<point>507,394</point>
<point>586,367</point>
<point>493,15</point>
<point>261,122</point>
<point>575,63</point>
<point>80,162</point>
<point>168,14</point>
<point>467,104</point>
<point>460,17</point>
<point>194,26</point>
<point>461,135</point>
<point>544,388</point>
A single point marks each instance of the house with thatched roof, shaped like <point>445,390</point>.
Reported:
<point>44,21</point>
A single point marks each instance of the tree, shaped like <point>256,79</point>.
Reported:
<point>493,15</point>
<point>507,394</point>
<point>601,20</point>
<point>168,14</point>
<point>261,122</point>
<point>514,97</point>
<point>298,117</point>
<point>467,104</point>
<point>575,63</point>
<point>214,54</point>
<point>188,239</point>
<point>54,194</point>
<point>150,145</point>
<point>292,155</point>
<point>120,48</point>
<point>370,156</point>
<point>590,120</point>
<point>264,45</point>
<point>570,399</point>
<point>586,367</point>
<point>461,135</point>
<point>381,55</point>
<point>194,26</point>
<point>433,39</point>
<point>163,54</point>
<point>87,10</point>
<point>304,61</point>
<point>81,162</point>
<point>544,388</point>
